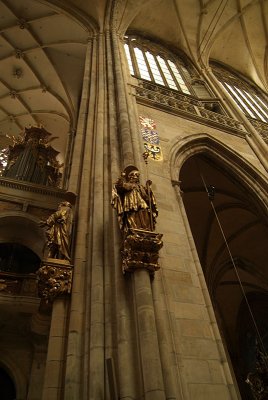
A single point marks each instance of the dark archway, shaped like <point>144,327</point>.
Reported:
<point>245,227</point>
<point>17,258</point>
<point>8,390</point>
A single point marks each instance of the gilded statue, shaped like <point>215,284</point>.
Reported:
<point>135,204</point>
<point>58,229</point>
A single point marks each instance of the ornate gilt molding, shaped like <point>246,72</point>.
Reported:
<point>140,250</point>
<point>54,279</point>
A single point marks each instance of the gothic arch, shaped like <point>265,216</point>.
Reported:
<point>86,20</point>
<point>229,229</point>
<point>16,227</point>
<point>15,372</point>
<point>186,147</point>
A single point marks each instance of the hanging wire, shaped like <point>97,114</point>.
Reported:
<point>211,194</point>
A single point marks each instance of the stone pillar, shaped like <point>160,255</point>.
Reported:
<point>53,380</point>
<point>76,372</point>
<point>140,257</point>
<point>128,155</point>
<point>163,319</point>
<point>79,139</point>
<point>119,305</point>
<point>54,282</point>
<point>37,369</point>
<point>147,335</point>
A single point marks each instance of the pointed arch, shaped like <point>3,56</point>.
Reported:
<point>18,227</point>
<point>16,373</point>
<point>73,12</point>
<point>230,232</point>
<point>186,147</point>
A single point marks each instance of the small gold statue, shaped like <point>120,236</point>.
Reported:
<point>135,204</point>
<point>58,232</point>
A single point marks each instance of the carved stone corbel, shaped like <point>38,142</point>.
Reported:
<point>140,250</point>
<point>54,279</point>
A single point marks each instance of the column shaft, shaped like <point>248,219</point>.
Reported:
<point>147,336</point>
<point>53,381</point>
<point>76,376</point>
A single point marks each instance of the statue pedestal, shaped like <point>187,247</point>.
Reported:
<point>140,250</point>
<point>54,279</point>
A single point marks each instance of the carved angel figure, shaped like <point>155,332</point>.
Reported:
<point>135,204</point>
<point>58,232</point>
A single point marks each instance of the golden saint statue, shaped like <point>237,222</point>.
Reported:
<point>58,232</point>
<point>135,204</point>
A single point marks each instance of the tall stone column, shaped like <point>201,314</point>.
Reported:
<point>147,334</point>
<point>53,380</point>
<point>76,372</point>
<point>119,315</point>
<point>127,153</point>
<point>140,258</point>
<point>140,266</point>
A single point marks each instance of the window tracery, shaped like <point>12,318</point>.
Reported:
<point>149,61</point>
<point>167,81</point>
<point>251,101</point>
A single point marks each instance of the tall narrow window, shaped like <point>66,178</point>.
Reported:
<point>154,68</point>
<point>147,61</point>
<point>129,59</point>
<point>143,70</point>
<point>166,73</point>
<point>178,77</point>
<point>248,97</point>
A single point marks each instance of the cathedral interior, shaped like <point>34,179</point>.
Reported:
<point>133,199</point>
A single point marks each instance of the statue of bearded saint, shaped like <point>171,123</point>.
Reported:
<point>58,229</point>
<point>135,204</point>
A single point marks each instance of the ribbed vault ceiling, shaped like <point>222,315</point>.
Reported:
<point>42,53</point>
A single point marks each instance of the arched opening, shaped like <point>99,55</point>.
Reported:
<point>16,258</point>
<point>21,248</point>
<point>230,231</point>
<point>8,390</point>
<point>17,227</point>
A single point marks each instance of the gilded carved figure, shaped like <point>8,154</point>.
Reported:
<point>58,232</point>
<point>135,204</point>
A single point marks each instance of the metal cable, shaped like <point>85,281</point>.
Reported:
<point>210,193</point>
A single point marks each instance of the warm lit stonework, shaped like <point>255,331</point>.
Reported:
<point>133,200</point>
